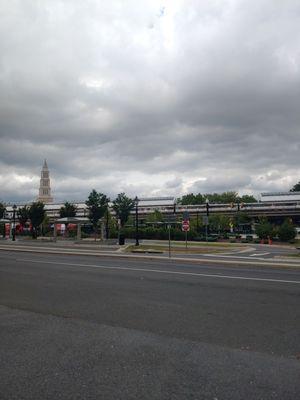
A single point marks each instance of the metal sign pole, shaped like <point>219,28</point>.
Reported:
<point>169,229</point>
<point>185,240</point>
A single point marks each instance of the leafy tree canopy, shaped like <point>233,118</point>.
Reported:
<point>296,188</point>
<point>217,198</point>
<point>241,218</point>
<point>23,214</point>
<point>36,215</point>
<point>2,210</point>
<point>265,229</point>
<point>286,231</point>
<point>156,216</point>
<point>247,198</point>
<point>222,198</point>
<point>191,198</point>
<point>97,204</point>
<point>122,206</point>
<point>219,222</point>
<point>68,210</point>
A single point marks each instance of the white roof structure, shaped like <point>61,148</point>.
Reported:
<point>280,196</point>
<point>156,201</point>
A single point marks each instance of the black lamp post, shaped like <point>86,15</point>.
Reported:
<point>106,225</point>
<point>14,221</point>
<point>136,221</point>
<point>207,215</point>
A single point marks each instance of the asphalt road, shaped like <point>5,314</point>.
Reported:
<point>75,327</point>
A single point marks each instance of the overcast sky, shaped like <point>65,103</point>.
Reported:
<point>149,97</point>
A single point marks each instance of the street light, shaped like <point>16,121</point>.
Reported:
<point>14,221</point>
<point>136,221</point>
<point>207,215</point>
<point>106,225</point>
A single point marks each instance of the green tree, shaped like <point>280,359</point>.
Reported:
<point>219,223</point>
<point>286,231</point>
<point>2,213</point>
<point>222,198</point>
<point>216,198</point>
<point>296,188</point>
<point>23,215</point>
<point>122,206</point>
<point>97,204</point>
<point>2,210</point>
<point>154,217</point>
<point>191,198</point>
<point>265,229</point>
<point>246,198</point>
<point>45,225</point>
<point>110,225</point>
<point>36,215</point>
<point>68,210</point>
<point>241,218</point>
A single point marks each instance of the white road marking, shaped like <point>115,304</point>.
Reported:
<point>160,271</point>
<point>258,254</point>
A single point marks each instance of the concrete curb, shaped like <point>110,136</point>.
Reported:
<point>272,264</point>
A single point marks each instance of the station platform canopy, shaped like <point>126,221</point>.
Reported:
<point>156,201</point>
<point>280,196</point>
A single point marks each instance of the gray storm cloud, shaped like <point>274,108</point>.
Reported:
<point>149,97</point>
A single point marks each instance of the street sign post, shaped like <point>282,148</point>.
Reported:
<point>205,223</point>
<point>186,216</point>
<point>170,219</point>
<point>185,226</point>
<point>205,220</point>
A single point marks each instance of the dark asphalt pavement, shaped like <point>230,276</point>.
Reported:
<point>75,327</point>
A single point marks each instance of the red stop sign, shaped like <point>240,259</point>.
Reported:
<point>185,226</point>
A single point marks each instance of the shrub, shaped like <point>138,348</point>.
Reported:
<point>264,230</point>
<point>212,239</point>
<point>286,232</point>
<point>199,238</point>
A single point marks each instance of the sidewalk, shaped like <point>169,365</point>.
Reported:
<point>114,251</point>
<point>65,243</point>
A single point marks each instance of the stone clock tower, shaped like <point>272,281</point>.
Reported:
<point>45,190</point>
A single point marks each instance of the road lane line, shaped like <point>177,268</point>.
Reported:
<point>258,254</point>
<point>160,271</point>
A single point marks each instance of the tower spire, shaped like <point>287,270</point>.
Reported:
<point>45,189</point>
